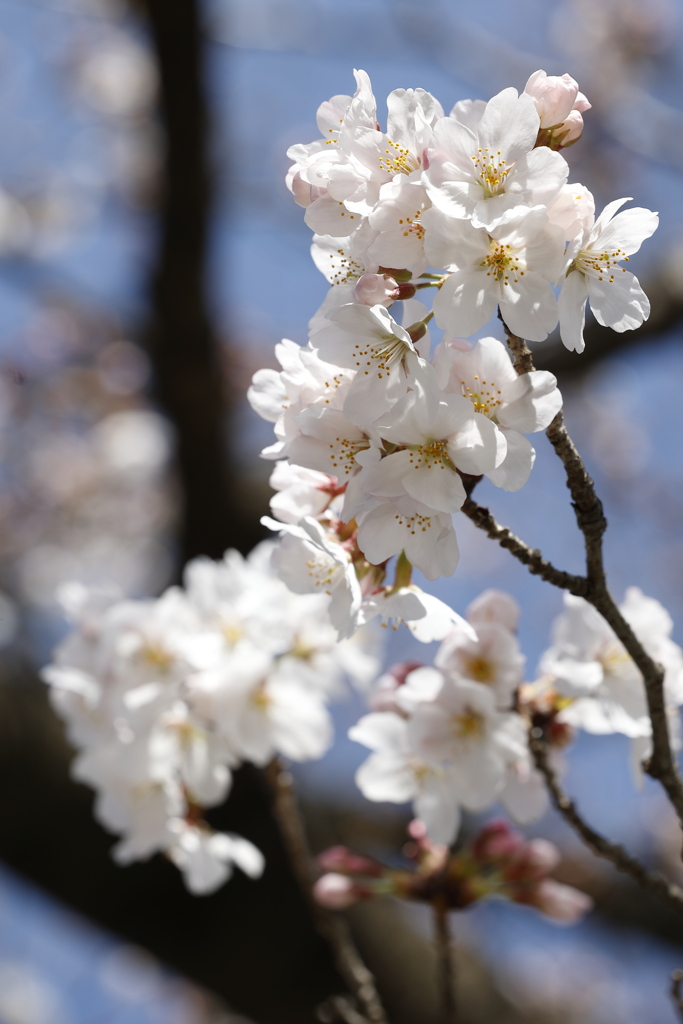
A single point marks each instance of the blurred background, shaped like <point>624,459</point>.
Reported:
<point>150,258</point>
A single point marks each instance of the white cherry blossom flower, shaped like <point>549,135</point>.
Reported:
<point>396,774</point>
<point>300,492</point>
<point>463,729</point>
<point>481,170</point>
<point>308,560</point>
<point>510,266</point>
<point>436,435</point>
<point>206,858</point>
<point>591,666</point>
<point>517,404</point>
<point>594,272</point>
<point>492,658</point>
<point>305,380</point>
<point>397,219</point>
<point>368,340</point>
<point>403,524</point>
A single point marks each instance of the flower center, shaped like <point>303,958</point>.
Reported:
<point>323,571</point>
<point>397,160</point>
<point>600,264</point>
<point>431,454</point>
<point>343,268</point>
<point>483,396</point>
<point>480,669</point>
<point>502,263</point>
<point>157,656</point>
<point>491,171</point>
<point>414,523</point>
<point>343,454</point>
<point>380,354</point>
<point>412,226</point>
<point>467,725</point>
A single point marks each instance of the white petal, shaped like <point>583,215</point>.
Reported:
<point>572,309</point>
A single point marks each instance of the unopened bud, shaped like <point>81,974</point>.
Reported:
<point>554,95</point>
<point>497,842</point>
<point>336,892</point>
<point>373,289</point>
<point>406,291</point>
<point>561,902</point>
<point>340,858</point>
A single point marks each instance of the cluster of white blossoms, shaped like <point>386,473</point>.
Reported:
<point>378,442</point>
<point>454,735</point>
<point>379,438</point>
<point>164,698</point>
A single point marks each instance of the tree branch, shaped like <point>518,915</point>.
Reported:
<point>332,927</point>
<point>613,852</point>
<point>444,952</point>
<point>592,523</point>
<point>676,994</point>
<point>531,557</point>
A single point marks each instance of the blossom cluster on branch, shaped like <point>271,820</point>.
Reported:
<point>164,699</point>
<point>379,441</point>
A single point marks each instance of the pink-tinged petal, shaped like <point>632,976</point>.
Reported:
<point>605,217</point>
<point>384,732</point>
<point>628,230</point>
<point>386,777</point>
<point>572,309</point>
<point>510,124</point>
<point>466,301</point>
<point>515,469</point>
<point>524,796</point>
<point>494,362</point>
<point>453,143</point>
<point>620,304</point>
<point>469,113</point>
<point>542,173</point>
<point>387,479</point>
<point>478,447</point>
<point>531,402</point>
<point>327,216</point>
<point>436,805</point>
<point>436,486</point>
<point>434,556</point>
<point>529,308</point>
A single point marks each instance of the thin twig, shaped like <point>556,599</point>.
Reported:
<point>621,859</point>
<point>531,557</point>
<point>676,994</point>
<point>445,966</point>
<point>332,927</point>
<point>592,523</point>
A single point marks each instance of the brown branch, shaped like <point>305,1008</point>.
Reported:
<point>446,972</point>
<point>531,557</point>
<point>332,927</point>
<point>592,523</point>
<point>621,859</point>
<point>676,994</point>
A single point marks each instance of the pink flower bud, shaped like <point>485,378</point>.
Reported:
<point>534,862</point>
<point>336,892</point>
<point>562,902</point>
<point>553,95</point>
<point>372,289</point>
<point>497,842</point>
<point>340,858</point>
<point>572,126</point>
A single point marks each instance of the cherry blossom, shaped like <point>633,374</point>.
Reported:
<point>594,272</point>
